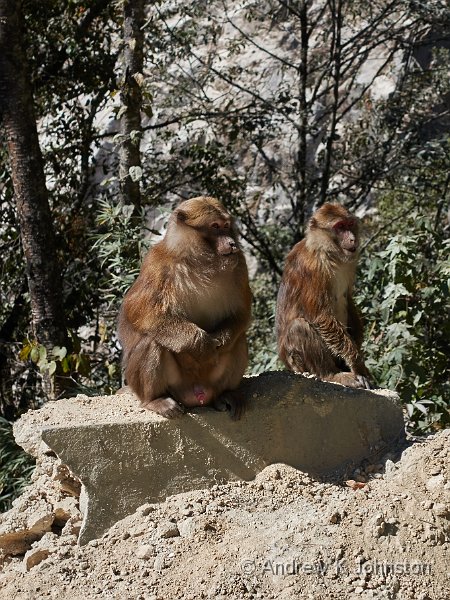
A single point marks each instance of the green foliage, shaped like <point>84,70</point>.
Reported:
<point>405,299</point>
<point>16,467</point>
<point>263,354</point>
<point>120,244</point>
<point>69,364</point>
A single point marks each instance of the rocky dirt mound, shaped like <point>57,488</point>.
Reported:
<point>383,534</point>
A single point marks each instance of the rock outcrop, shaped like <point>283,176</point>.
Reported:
<point>126,456</point>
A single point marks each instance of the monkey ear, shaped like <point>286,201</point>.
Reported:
<point>312,223</point>
<point>181,215</point>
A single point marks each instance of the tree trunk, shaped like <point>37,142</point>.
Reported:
<point>131,96</point>
<point>33,211</point>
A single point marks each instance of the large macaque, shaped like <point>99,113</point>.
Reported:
<point>318,327</point>
<point>183,323</point>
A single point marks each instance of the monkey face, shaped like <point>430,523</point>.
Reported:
<point>333,227</point>
<point>347,236</point>
<point>207,219</point>
<point>226,245</point>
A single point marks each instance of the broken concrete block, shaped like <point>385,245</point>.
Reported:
<point>35,556</point>
<point>23,525</point>
<point>126,456</point>
<point>15,543</point>
<point>39,551</point>
<point>64,510</point>
<point>40,521</point>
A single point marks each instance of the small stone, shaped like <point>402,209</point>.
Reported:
<point>187,527</point>
<point>72,527</point>
<point>434,483</point>
<point>335,518</point>
<point>390,467</point>
<point>65,509</point>
<point>435,471</point>
<point>145,552</point>
<point>159,564</point>
<point>167,529</point>
<point>145,509</point>
<point>35,556</point>
<point>441,509</point>
<point>197,507</point>
<point>395,585</point>
<point>361,478</point>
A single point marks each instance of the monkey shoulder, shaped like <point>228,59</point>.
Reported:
<point>298,270</point>
<point>161,270</point>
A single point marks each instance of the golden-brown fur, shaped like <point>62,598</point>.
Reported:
<point>318,327</point>
<point>182,324</point>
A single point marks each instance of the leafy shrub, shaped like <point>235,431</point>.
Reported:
<point>261,335</point>
<point>406,303</point>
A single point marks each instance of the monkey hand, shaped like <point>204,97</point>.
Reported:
<point>205,343</point>
<point>222,338</point>
<point>166,407</point>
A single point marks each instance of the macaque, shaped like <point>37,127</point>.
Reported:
<point>318,327</point>
<point>183,323</point>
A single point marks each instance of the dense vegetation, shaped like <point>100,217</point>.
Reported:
<point>274,108</point>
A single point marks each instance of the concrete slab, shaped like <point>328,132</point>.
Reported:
<point>126,456</point>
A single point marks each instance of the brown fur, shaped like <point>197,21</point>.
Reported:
<point>318,327</point>
<point>182,324</point>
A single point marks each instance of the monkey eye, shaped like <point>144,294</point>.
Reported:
<point>226,226</point>
<point>344,225</point>
<point>215,225</point>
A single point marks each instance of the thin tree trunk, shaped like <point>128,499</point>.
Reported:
<point>336,20</point>
<point>131,96</point>
<point>302,155</point>
<point>27,169</point>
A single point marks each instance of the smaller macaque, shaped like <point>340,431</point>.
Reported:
<point>318,327</point>
<point>183,323</point>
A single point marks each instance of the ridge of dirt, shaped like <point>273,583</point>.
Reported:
<point>383,534</point>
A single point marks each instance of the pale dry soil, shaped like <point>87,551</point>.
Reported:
<point>282,536</point>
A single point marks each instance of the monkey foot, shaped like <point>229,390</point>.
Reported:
<point>229,401</point>
<point>364,381</point>
<point>166,407</point>
<point>349,380</point>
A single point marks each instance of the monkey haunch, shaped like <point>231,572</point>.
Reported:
<point>182,324</point>
<point>318,327</point>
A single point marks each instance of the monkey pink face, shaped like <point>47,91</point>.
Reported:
<point>221,235</point>
<point>347,234</point>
